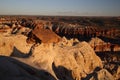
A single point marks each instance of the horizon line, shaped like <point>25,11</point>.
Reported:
<point>58,15</point>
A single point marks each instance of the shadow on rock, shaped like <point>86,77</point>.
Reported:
<point>12,69</point>
<point>62,73</point>
<point>94,74</point>
<point>19,54</point>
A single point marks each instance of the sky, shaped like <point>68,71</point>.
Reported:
<point>60,7</point>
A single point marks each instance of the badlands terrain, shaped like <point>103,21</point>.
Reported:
<point>59,48</point>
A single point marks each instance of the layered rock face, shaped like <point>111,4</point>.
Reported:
<point>82,31</point>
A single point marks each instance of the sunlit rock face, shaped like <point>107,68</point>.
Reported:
<point>101,46</point>
<point>65,60</point>
<point>13,44</point>
<point>68,59</point>
<point>78,60</point>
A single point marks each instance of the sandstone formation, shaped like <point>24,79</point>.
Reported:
<point>81,31</point>
<point>111,62</point>
<point>101,46</point>
<point>41,35</point>
<point>78,60</point>
<point>68,59</point>
<point>13,44</point>
<point>71,30</point>
<point>101,75</point>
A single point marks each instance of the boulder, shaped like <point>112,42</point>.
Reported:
<point>41,35</point>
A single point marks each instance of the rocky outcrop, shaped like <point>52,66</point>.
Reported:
<point>5,29</point>
<point>78,60</point>
<point>13,44</point>
<point>20,30</point>
<point>101,46</point>
<point>111,62</point>
<point>104,75</point>
<point>81,31</point>
<point>101,75</point>
<point>66,60</point>
<point>14,29</point>
<point>38,34</point>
